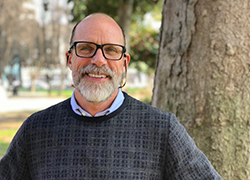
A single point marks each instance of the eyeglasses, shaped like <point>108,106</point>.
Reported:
<point>86,49</point>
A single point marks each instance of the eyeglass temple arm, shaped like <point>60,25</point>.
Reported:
<point>125,77</point>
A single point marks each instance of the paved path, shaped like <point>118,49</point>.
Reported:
<point>27,101</point>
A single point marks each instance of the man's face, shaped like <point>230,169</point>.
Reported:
<point>97,78</point>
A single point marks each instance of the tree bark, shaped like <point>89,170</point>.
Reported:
<point>202,76</point>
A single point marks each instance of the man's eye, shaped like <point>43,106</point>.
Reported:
<point>111,49</point>
<point>86,48</point>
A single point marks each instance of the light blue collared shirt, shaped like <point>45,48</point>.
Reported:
<point>115,105</point>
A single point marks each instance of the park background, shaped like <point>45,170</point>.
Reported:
<point>189,57</point>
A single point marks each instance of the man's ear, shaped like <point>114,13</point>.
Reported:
<point>68,57</point>
<point>126,61</point>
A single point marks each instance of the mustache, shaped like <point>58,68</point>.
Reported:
<point>92,68</point>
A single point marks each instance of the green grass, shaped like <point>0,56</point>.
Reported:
<point>3,148</point>
<point>65,93</point>
<point>5,139</point>
<point>6,135</point>
<point>134,90</point>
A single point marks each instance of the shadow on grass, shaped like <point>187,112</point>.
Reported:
<point>14,116</point>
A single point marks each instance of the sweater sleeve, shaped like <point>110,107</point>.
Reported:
<point>184,159</point>
<point>14,166</point>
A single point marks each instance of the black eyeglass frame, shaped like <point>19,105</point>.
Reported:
<point>97,47</point>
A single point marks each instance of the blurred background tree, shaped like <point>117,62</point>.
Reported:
<point>33,35</point>
<point>19,36</point>
<point>9,28</point>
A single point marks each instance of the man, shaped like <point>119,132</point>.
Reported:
<point>101,132</point>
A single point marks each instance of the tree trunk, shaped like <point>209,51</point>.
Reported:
<point>125,11</point>
<point>202,76</point>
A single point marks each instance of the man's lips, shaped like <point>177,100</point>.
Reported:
<point>97,75</point>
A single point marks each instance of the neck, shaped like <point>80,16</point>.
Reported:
<point>94,108</point>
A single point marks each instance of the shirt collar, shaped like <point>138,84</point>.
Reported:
<point>115,105</point>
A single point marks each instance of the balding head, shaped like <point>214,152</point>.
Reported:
<point>96,19</point>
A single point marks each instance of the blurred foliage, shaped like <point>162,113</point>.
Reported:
<point>143,94</point>
<point>83,8</point>
<point>144,47</point>
<point>144,39</point>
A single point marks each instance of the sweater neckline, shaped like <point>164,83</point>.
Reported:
<point>100,118</point>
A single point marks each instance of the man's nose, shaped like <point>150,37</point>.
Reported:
<point>98,59</point>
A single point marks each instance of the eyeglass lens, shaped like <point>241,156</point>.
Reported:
<point>111,51</point>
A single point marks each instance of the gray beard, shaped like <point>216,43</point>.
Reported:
<point>96,92</point>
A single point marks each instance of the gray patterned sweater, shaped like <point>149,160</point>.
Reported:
<point>136,141</point>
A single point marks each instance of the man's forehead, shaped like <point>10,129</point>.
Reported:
<point>98,20</point>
